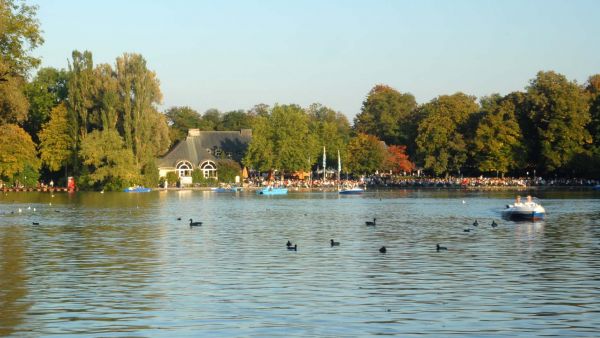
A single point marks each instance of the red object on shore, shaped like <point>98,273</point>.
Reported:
<point>71,184</point>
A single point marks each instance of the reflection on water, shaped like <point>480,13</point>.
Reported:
<point>123,264</point>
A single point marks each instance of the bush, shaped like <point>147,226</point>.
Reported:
<point>228,170</point>
<point>199,180</point>
<point>172,178</point>
<point>29,177</point>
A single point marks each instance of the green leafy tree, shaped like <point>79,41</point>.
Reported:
<point>144,129</point>
<point>559,110</point>
<point>593,90</point>
<point>180,120</point>
<point>47,90</point>
<point>386,113</point>
<point>13,103</point>
<point>366,154</point>
<point>111,165</point>
<point>17,153</point>
<point>260,109</point>
<point>81,93</point>
<point>227,170</point>
<point>330,129</point>
<point>292,142</point>
<point>19,35</point>
<point>106,101</point>
<point>498,144</point>
<point>260,150</point>
<point>56,140</point>
<point>236,120</point>
<point>139,91</point>
<point>441,142</point>
<point>211,120</point>
<point>281,140</point>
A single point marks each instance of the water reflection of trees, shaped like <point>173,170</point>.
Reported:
<point>13,279</point>
<point>98,254</point>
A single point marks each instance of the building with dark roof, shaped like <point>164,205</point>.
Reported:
<point>201,150</point>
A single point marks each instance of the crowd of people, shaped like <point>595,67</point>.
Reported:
<point>425,182</point>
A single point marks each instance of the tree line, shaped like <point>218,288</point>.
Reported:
<point>100,123</point>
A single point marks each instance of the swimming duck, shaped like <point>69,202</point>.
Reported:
<point>383,249</point>
<point>475,223</point>
<point>293,248</point>
<point>494,224</point>
<point>371,223</point>
<point>438,247</point>
<point>334,243</point>
<point>35,223</point>
<point>288,244</point>
<point>195,224</point>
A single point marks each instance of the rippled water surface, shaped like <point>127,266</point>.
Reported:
<point>120,264</point>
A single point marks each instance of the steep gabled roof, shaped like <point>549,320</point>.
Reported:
<point>200,146</point>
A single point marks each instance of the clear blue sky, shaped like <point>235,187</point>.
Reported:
<point>234,54</point>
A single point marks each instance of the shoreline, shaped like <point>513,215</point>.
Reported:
<point>334,189</point>
<point>397,188</point>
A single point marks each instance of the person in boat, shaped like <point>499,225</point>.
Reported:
<point>529,199</point>
<point>518,200</point>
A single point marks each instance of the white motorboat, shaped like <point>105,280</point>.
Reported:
<point>351,191</point>
<point>529,210</point>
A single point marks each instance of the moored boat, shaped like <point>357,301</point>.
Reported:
<point>227,189</point>
<point>272,191</point>
<point>137,189</point>
<point>351,191</point>
<point>528,211</point>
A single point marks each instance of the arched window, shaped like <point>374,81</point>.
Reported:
<point>209,169</point>
<point>184,169</point>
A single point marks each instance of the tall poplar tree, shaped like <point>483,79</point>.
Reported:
<point>144,129</point>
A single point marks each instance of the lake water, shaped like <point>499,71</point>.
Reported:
<point>118,264</point>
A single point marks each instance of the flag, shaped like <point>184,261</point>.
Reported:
<point>324,160</point>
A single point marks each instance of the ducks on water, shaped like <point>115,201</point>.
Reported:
<point>293,248</point>
<point>439,248</point>
<point>494,224</point>
<point>288,244</point>
<point>475,223</point>
<point>334,243</point>
<point>194,224</point>
<point>371,223</point>
<point>383,249</point>
<point>179,218</point>
<point>35,223</point>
